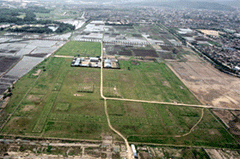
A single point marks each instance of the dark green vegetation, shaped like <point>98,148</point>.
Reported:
<point>14,16</point>
<point>53,107</point>
<point>82,49</point>
<point>11,15</point>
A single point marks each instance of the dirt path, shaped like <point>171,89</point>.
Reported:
<point>177,136</point>
<point>168,103</point>
<point>129,150</point>
<point>194,125</point>
<point>70,57</point>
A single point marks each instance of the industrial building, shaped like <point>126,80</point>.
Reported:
<point>95,62</point>
<point>134,151</point>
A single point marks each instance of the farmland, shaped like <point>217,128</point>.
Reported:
<point>39,111</point>
<point>156,123</point>
<point>58,84</point>
<point>74,48</point>
<point>208,84</point>
<point>148,81</point>
<point>60,102</point>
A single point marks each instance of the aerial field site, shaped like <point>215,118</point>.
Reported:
<point>119,79</point>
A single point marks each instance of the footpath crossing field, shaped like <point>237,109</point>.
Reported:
<point>50,105</point>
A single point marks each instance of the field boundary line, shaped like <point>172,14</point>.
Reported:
<point>20,102</point>
<point>100,141</point>
<point>223,125</point>
<point>179,77</point>
<point>49,138</point>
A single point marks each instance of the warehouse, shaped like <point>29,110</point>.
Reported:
<point>94,62</point>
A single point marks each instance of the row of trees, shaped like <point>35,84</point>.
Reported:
<point>10,16</point>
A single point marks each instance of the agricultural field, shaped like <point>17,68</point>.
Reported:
<point>123,34</point>
<point>129,50</point>
<point>21,57</point>
<point>48,100</point>
<point>6,63</point>
<point>53,99</point>
<point>155,123</point>
<point>209,85</point>
<point>147,81</point>
<point>84,49</point>
<point>156,34</point>
<point>56,100</point>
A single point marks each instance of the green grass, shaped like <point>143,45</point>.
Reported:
<point>84,49</point>
<point>83,115</point>
<point>62,106</point>
<point>148,81</point>
<point>45,112</point>
<point>157,123</point>
<point>55,108</point>
<point>85,109</point>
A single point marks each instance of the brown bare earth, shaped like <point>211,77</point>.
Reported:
<point>211,32</point>
<point>222,154</point>
<point>166,83</point>
<point>5,102</point>
<point>37,72</point>
<point>224,115</point>
<point>34,97</point>
<point>28,108</point>
<point>208,84</point>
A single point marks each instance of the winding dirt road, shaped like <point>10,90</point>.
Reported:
<point>129,150</point>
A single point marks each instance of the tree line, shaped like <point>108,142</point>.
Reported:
<point>11,16</point>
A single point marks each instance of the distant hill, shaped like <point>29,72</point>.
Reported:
<point>190,5</point>
<point>233,3</point>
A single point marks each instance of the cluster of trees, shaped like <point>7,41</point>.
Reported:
<point>11,16</point>
<point>32,30</point>
<point>64,27</point>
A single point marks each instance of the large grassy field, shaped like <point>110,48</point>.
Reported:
<point>146,81</point>
<point>54,107</point>
<point>65,102</point>
<point>84,49</point>
<point>155,123</point>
